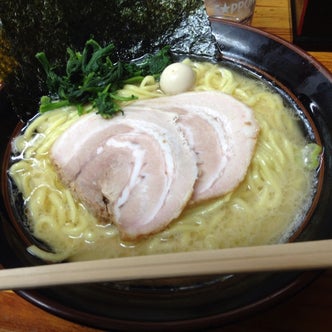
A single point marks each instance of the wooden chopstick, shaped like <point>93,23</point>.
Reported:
<point>279,257</point>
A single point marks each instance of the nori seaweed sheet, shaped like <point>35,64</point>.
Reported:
<point>136,27</point>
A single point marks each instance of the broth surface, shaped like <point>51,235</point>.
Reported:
<point>267,207</point>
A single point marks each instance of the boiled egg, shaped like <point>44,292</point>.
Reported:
<point>177,78</point>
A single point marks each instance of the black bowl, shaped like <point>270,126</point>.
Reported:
<point>196,303</point>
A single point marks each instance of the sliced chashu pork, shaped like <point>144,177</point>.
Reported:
<point>223,133</point>
<point>121,168</point>
<point>139,175</point>
<point>79,143</point>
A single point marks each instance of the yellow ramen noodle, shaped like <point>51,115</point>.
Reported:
<point>265,208</point>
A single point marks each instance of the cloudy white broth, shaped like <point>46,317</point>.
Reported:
<point>266,206</point>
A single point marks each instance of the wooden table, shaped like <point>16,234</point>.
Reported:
<point>310,310</point>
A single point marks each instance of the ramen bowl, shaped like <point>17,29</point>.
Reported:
<point>196,303</point>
